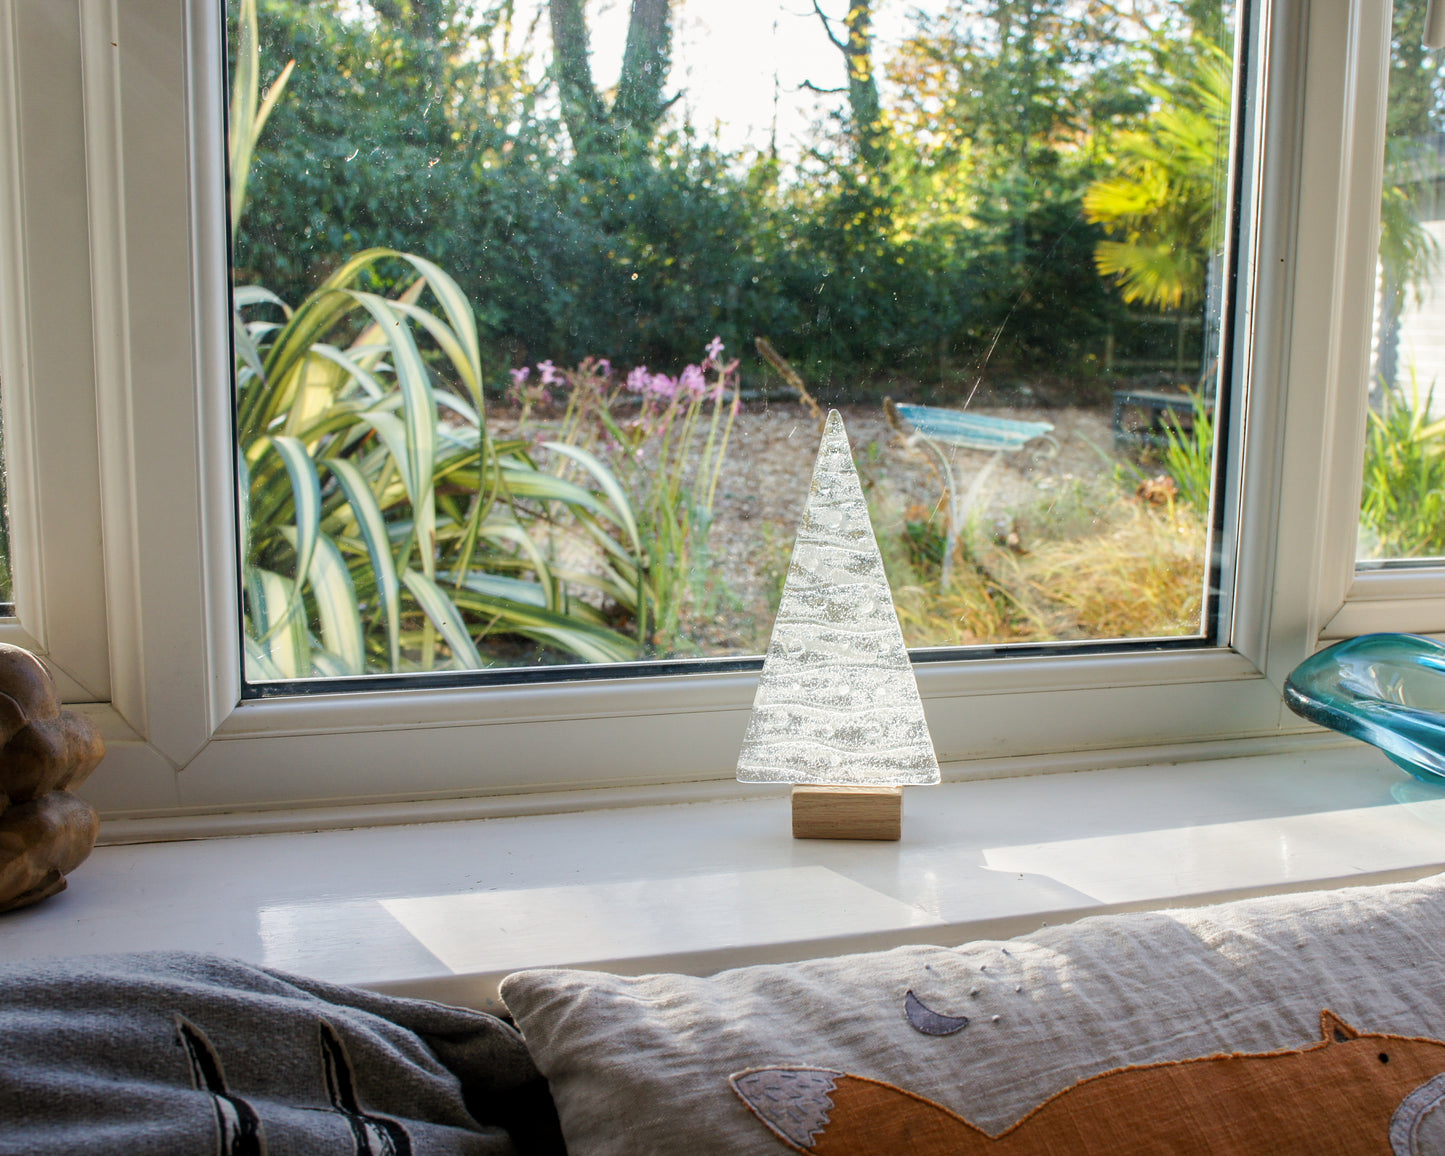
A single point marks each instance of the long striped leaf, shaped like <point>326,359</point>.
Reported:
<point>445,617</point>
<point>284,357</point>
<point>352,367</point>
<point>463,410</point>
<point>526,482</point>
<point>306,490</point>
<point>259,667</point>
<point>241,165</point>
<point>498,586</point>
<point>607,481</point>
<point>249,354</point>
<point>243,296</point>
<point>586,645</point>
<point>319,382</point>
<point>460,316</point>
<point>500,530</point>
<point>419,413</point>
<point>621,590</point>
<point>336,606</point>
<point>248,112</point>
<point>371,346</point>
<point>313,319</point>
<point>324,664</point>
<point>392,432</point>
<point>447,341</point>
<point>592,643</point>
<point>243,495</point>
<point>372,526</point>
<point>276,617</point>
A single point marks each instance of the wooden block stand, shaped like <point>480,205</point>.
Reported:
<point>847,812</point>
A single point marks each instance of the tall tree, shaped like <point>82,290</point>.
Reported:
<point>856,45</point>
<point>639,105</point>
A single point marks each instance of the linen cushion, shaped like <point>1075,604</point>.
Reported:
<point>1295,998</point>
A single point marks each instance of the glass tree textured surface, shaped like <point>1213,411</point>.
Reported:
<point>1385,689</point>
<point>837,703</point>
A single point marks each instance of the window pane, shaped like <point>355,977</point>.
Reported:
<point>540,304</point>
<point>1402,514</point>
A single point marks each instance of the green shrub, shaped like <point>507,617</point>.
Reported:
<point>1402,504</point>
<point>1189,456</point>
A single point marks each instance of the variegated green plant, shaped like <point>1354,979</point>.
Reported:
<point>414,538</point>
<point>380,536</point>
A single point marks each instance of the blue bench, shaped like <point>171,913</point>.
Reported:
<point>935,427</point>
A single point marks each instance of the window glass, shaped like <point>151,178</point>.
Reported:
<point>540,304</point>
<point>1402,512</point>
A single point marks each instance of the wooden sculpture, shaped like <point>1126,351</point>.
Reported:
<point>45,831</point>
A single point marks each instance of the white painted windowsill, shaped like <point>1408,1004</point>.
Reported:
<point>445,910</point>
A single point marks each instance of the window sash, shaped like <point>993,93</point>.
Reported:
<point>149,86</point>
<point>45,354</point>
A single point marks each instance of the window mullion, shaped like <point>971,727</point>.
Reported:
<point>1328,252</point>
<point>143,249</point>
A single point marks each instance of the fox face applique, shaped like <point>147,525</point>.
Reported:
<point>1352,1092</point>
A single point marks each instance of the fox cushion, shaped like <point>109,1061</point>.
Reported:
<point>1304,1023</point>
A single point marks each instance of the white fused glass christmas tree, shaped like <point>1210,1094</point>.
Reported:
<point>837,704</point>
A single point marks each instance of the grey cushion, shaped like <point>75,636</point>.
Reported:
<point>173,1052</point>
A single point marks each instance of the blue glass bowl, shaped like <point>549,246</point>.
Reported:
<point>1387,690</point>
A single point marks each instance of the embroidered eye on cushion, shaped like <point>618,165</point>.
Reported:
<point>640,1066</point>
<point>1350,1093</point>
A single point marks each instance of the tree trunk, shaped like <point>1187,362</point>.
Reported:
<point>582,108</point>
<point>639,105</point>
<point>645,64</point>
<point>863,83</point>
<point>857,49</point>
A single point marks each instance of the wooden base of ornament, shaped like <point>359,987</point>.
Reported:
<point>847,812</point>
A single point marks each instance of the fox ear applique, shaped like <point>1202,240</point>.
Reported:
<point>1334,1030</point>
<point>794,1102</point>
<point>825,1113</point>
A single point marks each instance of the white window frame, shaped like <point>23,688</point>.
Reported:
<point>151,511</point>
<point>48,385</point>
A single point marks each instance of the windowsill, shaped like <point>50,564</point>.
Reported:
<point>444,910</point>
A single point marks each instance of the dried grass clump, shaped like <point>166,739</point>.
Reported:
<point>1129,569</point>
<point>1143,578</point>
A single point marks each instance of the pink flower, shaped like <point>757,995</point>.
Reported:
<point>714,349</point>
<point>663,386</point>
<point>548,372</point>
<point>519,376</point>
<point>693,381</point>
<point>725,375</point>
<point>604,367</point>
<point>638,379</point>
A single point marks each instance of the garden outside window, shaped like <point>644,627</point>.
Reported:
<point>115,222</point>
